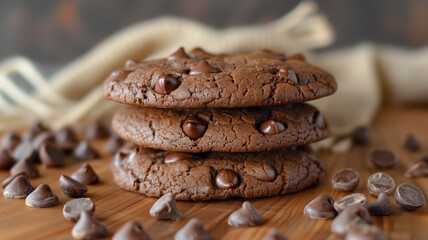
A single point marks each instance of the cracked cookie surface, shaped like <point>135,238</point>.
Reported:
<point>210,176</point>
<point>226,130</point>
<point>198,79</point>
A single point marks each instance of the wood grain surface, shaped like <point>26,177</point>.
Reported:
<point>115,206</point>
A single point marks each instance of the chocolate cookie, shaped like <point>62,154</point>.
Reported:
<point>208,176</point>
<point>198,79</point>
<point>221,130</point>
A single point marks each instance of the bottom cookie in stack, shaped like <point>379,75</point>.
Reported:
<point>216,175</point>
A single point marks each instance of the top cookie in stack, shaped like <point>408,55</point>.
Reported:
<point>224,113</point>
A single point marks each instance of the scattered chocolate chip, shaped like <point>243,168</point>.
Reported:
<point>84,151</point>
<point>88,227</point>
<point>42,197</point>
<point>166,84</point>
<point>198,53</point>
<point>85,175</point>
<point>6,161</point>
<point>202,67</point>
<point>381,207</point>
<point>180,53</point>
<point>10,140</point>
<point>273,234</point>
<point>10,179</point>
<point>34,130</point>
<point>192,230</point>
<point>271,127</point>
<point>412,143</point>
<point>194,127</point>
<point>24,150</point>
<point>361,135</point>
<point>349,218</point>
<point>364,232</point>
<point>409,197</point>
<point>72,187</point>
<point>129,63</point>
<point>419,168</point>
<point>19,187</point>
<point>345,180</point>
<point>25,165</point>
<point>298,57</point>
<point>65,135</point>
<point>318,119</point>
<point>383,158</point>
<point>113,144</point>
<point>226,179</point>
<point>247,216</point>
<point>95,130</point>
<point>321,207</point>
<point>119,75</point>
<point>380,183</point>
<point>166,208</point>
<point>131,230</point>
<point>73,208</point>
<point>269,54</point>
<point>43,138</point>
<point>350,200</point>
<point>51,156</point>
<point>177,156</point>
<point>292,76</point>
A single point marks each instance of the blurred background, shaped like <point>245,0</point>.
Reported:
<point>57,31</point>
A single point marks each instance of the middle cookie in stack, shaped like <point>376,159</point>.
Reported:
<point>230,141</point>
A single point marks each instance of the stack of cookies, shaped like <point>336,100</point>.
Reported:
<point>218,126</point>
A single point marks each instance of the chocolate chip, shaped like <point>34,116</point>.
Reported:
<point>383,158</point>
<point>321,207</point>
<point>361,135</point>
<point>292,76</point>
<point>247,216</point>
<point>166,84</point>
<point>42,197</point>
<point>198,54</point>
<point>72,187</point>
<point>119,75</point>
<point>73,208</point>
<point>203,67</point>
<point>43,138</point>
<point>350,200</point>
<point>95,130</point>
<point>194,127</point>
<point>349,218</point>
<point>409,197</point>
<point>268,173</point>
<point>113,144</point>
<point>364,232</point>
<point>166,208</point>
<point>270,127</point>
<point>84,151</point>
<point>381,207</point>
<point>298,57</point>
<point>10,179</point>
<point>131,230</point>
<point>226,179</point>
<point>345,180</point>
<point>412,143</point>
<point>269,54</point>
<point>273,234</point>
<point>19,187</point>
<point>318,119</point>
<point>24,150</point>
<point>6,161</point>
<point>419,168</point>
<point>192,230</point>
<point>34,130</point>
<point>25,165</point>
<point>178,156</point>
<point>66,139</point>
<point>180,53</point>
<point>380,183</point>
<point>85,175</point>
<point>51,156</point>
<point>130,63</point>
<point>88,227</point>
<point>10,140</point>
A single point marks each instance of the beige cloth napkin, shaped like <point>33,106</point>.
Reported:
<point>73,94</point>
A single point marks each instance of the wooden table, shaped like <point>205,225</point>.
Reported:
<point>115,206</point>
